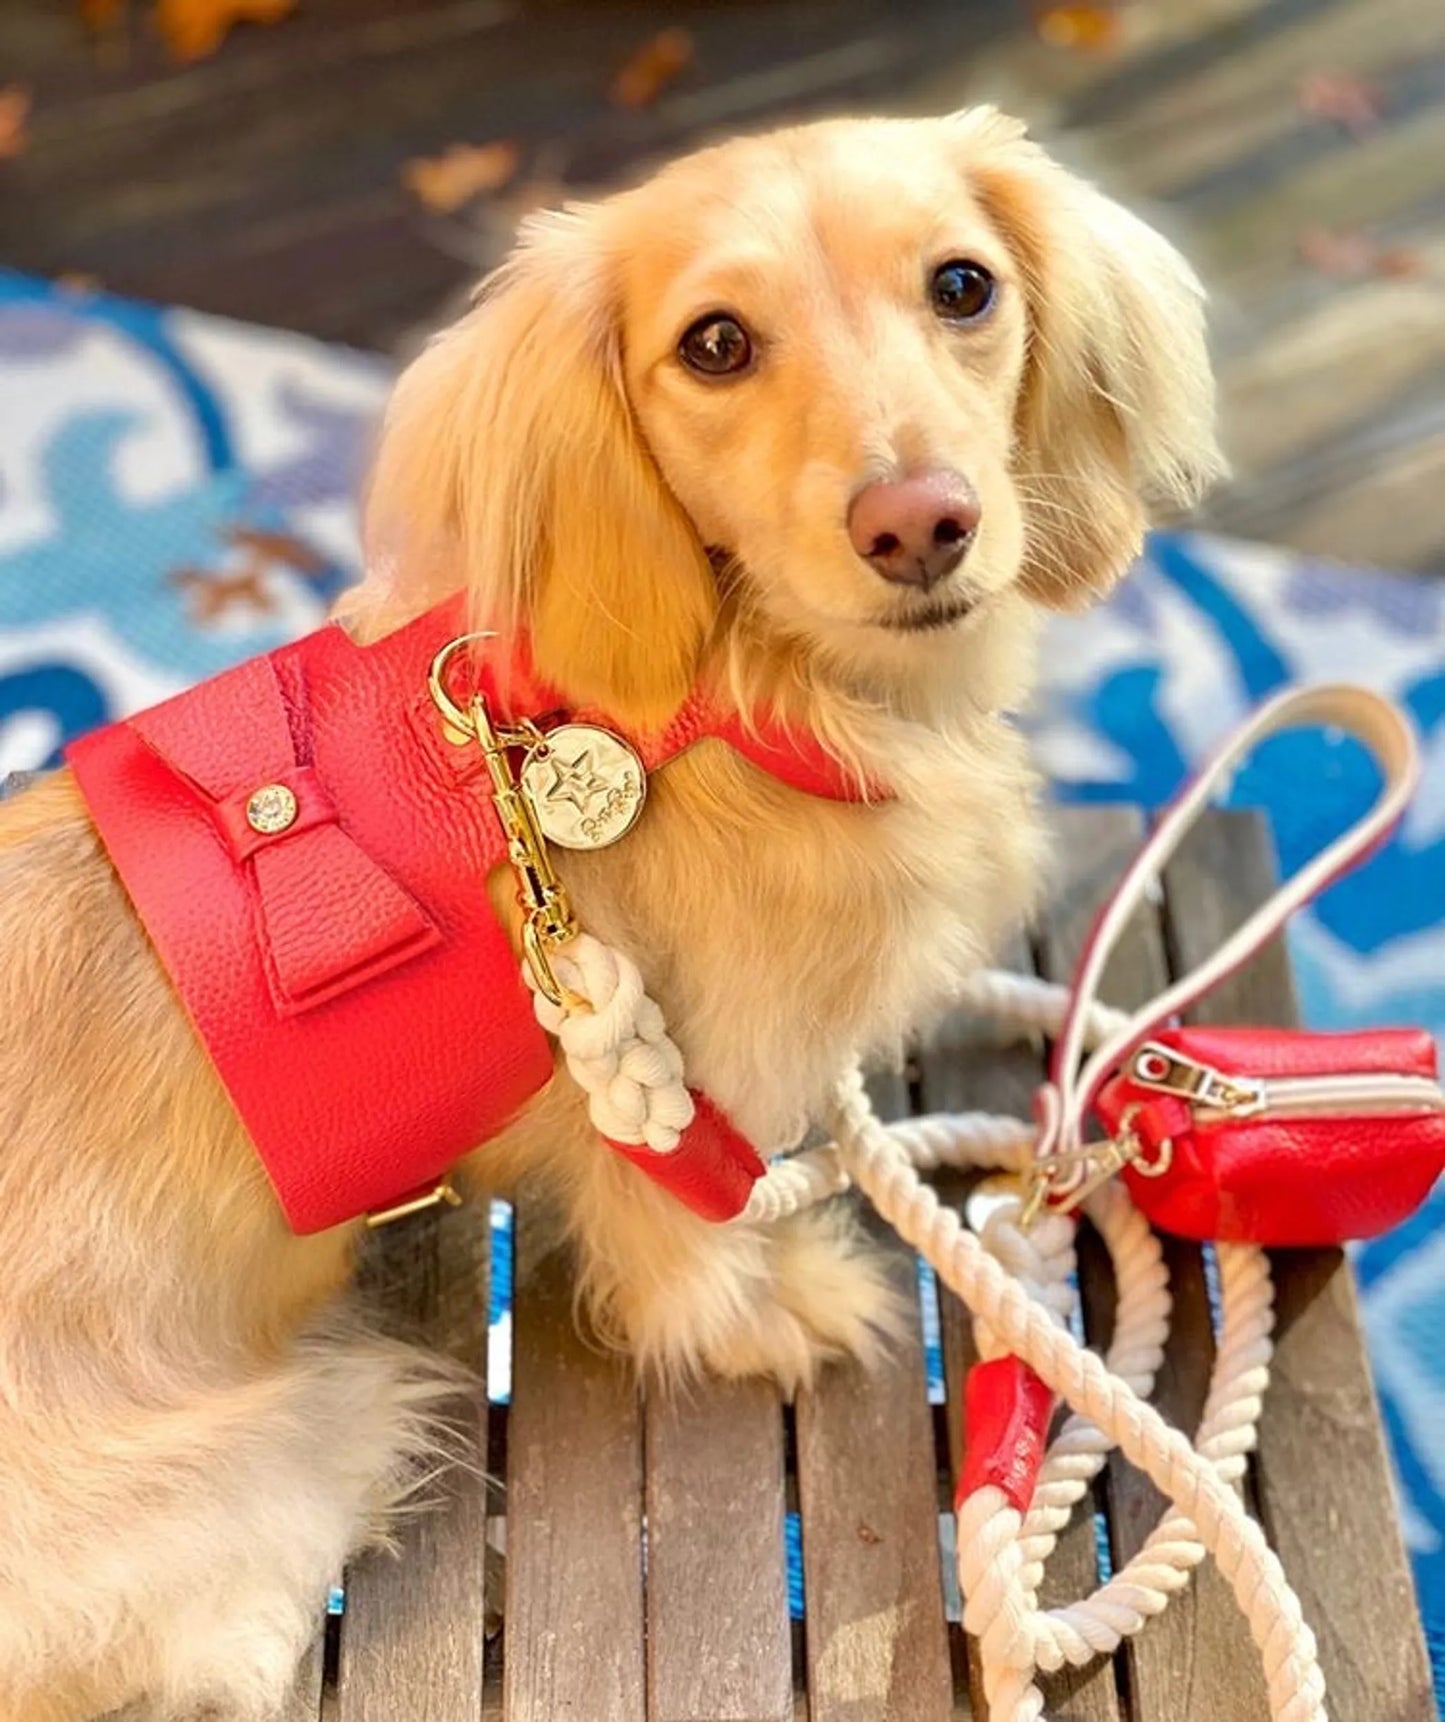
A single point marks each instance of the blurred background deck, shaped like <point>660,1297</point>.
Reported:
<point>1296,148</point>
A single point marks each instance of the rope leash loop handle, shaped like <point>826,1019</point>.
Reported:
<point>1382,728</point>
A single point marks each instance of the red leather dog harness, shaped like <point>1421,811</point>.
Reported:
<point>309,853</point>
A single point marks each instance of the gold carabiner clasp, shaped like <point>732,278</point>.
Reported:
<point>1062,1183</point>
<point>1059,1182</point>
<point>457,722</point>
<point>548,923</point>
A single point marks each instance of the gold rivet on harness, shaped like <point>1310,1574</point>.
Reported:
<point>271,809</point>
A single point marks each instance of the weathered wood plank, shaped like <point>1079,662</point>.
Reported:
<point>304,1702</point>
<point>1323,1474</point>
<point>574,1642</point>
<point>877,1641</point>
<point>1364,511</point>
<point>1334,366</point>
<point>1190,40</point>
<point>1332,488</point>
<point>1212,131</point>
<point>1409,89</point>
<point>719,1647</point>
<point>1158,46</point>
<point>1255,238</point>
<point>1217,122</point>
<point>266,182</point>
<point>413,1621</point>
<point>1193,1663</point>
<point>1194,106</point>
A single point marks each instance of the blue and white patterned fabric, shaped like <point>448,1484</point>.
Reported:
<point>177,492</point>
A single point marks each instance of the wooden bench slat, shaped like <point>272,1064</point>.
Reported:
<point>574,1644</point>
<point>877,1641</point>
<point>1194,1663</point>
<point>719,1645</point>
<point>304,1702</point>
<point>1323,1472</point>
<point>414,1624</point>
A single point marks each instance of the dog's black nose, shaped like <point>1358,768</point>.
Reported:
<point>915,530</point>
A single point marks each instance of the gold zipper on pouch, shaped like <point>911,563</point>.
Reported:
<point>1217,1095</point>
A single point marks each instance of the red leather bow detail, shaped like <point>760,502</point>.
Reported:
<point>328,916</point>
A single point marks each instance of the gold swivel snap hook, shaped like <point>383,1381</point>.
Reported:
<point>458,724</point>
<point>549,924</point>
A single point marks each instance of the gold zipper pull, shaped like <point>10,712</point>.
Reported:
<point>1169,1072</point>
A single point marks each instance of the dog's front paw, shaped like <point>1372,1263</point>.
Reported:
<point>775,1302</point>
<point>829,1296</point>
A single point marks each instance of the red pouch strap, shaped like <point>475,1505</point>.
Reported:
<point>1006,1414</point>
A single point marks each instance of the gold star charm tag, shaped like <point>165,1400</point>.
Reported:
<point>586,785</point>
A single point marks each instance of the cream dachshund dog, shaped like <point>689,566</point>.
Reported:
<point>826,421</point>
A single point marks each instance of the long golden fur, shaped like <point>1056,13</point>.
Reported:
<point>192,1437</point>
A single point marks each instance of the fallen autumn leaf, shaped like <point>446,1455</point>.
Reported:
<point>194,29</point>
<point>651,69</point>
<point>1352,255</point>
<point>1084,29</point>
<point>1346,100</point>
<point>14,120</point>
<point>445,182</point>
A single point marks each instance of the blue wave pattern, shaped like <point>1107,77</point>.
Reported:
<point>175,494</point>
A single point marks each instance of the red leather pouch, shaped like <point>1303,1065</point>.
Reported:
<point>1276,1136</point>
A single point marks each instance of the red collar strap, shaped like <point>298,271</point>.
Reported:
<point>795,758</point>
<point>308,855</point>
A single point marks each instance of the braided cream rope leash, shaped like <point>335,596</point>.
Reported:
<point>998,1550</point>
<point>1017,1282</point>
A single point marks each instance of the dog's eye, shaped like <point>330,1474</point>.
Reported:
<point>961,291</point>
<point>716,345</point>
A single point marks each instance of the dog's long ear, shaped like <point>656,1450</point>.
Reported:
<point>511,464</point>
<point>1117,408</point>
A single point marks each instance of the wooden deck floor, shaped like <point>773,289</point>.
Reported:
<point>264,183</point>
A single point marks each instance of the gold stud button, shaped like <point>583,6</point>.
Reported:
<point>271,809</point>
